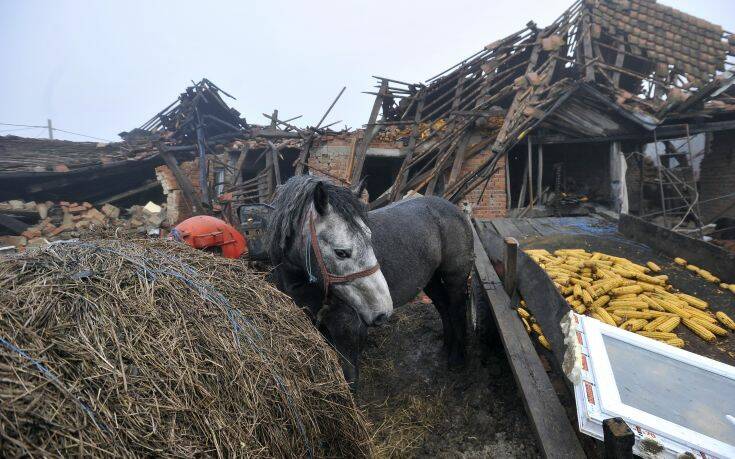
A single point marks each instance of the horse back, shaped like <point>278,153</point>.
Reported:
<point>415,238</point>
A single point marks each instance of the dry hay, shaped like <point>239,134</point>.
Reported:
<point>132,348</point>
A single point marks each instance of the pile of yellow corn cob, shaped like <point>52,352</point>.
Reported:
<point>704,274</point>
<point>624,294</point>
<point>531,326</point>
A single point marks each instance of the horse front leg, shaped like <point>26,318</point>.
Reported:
<point>347,333</point>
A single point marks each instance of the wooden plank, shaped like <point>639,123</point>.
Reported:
<point>369,133</point>
<point>619,60</point>
<point>237,174</point>
<point>555,434</point>
<point>525,228</point>
<point>505,228</point>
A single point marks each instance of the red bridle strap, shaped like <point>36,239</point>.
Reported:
<point>330,278</point>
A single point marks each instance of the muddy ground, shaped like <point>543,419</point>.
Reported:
<point>422,409</point>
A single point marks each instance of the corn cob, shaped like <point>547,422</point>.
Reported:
<point>676,342</point>
<point>724,286</point>
<point>701,315</point>
<point>625,314</point>
<point>699,330</point>
<point>725,320</point>
<point>669,324</point>
<point>544,342</point>
<point>680,261</point>
<point>693,301</point>
<point>732,288</point>
<point>627,296</point>
<point>653,267</point>
<point>600,302</point>
<point>595,315</point>
<point>672,308</point>
<point>692,268</point>
<point>634,324</point>
<point>591,291</point>
<point>717,330</point>
<point>629,289</point>
<point>658,335</point>
<point>537,328</point>
<point>586,297</point>
<point>606,317</point>
<point>651,304</point>
<point>579,308</point>
<point>652,325</point>
<point>618,320</point>
<point>628,304</point>
<point>526,325</point>
<point>577,290</point>
<point>523,313</point>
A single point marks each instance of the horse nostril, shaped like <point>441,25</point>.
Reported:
<point>380,319</point>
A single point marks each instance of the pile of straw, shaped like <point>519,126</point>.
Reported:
<point>151,348</point>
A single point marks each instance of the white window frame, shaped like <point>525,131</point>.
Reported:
<point>598,397</point>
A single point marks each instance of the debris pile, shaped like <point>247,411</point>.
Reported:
<point>37,223</point>
<point>151,348</point>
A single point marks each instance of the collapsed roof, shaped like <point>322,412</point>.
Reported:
<point>630,65</point>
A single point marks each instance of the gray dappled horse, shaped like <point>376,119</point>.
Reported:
<point>348,268</point>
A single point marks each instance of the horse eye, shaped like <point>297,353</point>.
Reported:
<point>343,253</point>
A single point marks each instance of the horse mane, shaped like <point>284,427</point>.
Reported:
<point>291,202</point>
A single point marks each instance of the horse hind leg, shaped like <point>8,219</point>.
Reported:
<point>450,300</point>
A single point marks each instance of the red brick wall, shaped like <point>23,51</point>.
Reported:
<point>493,203</point>
<point>717,176</point>
<point>178,208</point>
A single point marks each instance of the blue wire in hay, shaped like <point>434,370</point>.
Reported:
<point>52,377</point>
<point>210,294</point>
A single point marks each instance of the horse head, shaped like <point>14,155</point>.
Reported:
<point>332,243</point>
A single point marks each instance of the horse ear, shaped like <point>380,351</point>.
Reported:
<point>357,190</point>
<point>321,199</point>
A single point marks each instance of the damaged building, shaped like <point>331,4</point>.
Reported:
<point>624,105</point>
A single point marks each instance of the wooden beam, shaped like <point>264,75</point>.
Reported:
<point>555,434</point>
<point>619,439</point>
<point>186,187</point>
<point>540,169</point>
<point>587,46</point>
<point>619,61</point>
<point>530,173</point>
<point>459,158</point>
<point>369,133</point>
<point>276,162</point>
<point>403,171</point>
<point>126,194</point>
<point>237,174</point>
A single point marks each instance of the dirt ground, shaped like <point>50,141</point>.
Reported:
<point>422,409</point>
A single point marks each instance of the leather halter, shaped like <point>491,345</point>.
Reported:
<point>328,277</point>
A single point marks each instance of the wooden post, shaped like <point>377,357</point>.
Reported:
<point>510,262</point>
<point>508,197</point>
<point>530,173</point>
<point>369,132</point>
<point>539,179</point>
<point>619,439</point>
<point>50,129</point>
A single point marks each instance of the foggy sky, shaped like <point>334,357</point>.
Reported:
<point>102,67</point>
